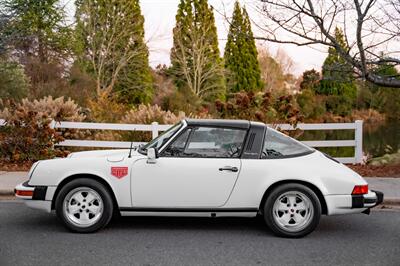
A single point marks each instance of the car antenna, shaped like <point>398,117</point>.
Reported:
<point>130,150</point>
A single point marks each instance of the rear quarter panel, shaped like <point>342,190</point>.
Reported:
<point>257,175</point>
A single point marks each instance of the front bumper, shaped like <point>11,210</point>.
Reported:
<point>33,196</point>
<point>369,200</point>
<point>26,191</point>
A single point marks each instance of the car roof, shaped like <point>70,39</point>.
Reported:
<point>243,124</point>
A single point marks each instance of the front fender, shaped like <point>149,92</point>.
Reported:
<point>52,173</point>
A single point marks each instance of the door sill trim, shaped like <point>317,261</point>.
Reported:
<point>147,209</point>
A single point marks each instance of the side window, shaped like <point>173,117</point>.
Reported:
<point>215,142</point>
<point>177,147</point>
<point>278,145</point>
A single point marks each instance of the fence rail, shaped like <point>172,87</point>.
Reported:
<point>155,128</point>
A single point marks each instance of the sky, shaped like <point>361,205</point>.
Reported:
<point>160,20</point>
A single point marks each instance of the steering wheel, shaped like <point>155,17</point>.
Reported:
<point>233,150</point>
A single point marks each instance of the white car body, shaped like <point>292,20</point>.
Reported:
<point>197,186</point>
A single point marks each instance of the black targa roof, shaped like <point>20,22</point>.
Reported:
<point>244,124</point>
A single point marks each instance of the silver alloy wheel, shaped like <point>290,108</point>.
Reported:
<point>83,206</point>
<point>293,211</point>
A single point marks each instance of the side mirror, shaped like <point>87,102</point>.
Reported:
<point>152,155</point>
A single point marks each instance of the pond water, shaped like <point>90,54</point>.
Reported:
<point>377,139</point>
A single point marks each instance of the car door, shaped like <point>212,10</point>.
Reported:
<point>197,170</point>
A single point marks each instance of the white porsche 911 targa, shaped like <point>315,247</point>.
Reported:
<point>207,168</point>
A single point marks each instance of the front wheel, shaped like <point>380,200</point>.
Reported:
<point>84,205</point>
<point>292,210</point>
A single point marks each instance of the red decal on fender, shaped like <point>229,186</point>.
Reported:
<point>119,172</point>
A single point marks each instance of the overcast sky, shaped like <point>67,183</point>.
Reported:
<point>160,19</point>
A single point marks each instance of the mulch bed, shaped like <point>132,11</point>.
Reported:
<point>11,167</point>
<point>377,171</point>
<point>363,170</point>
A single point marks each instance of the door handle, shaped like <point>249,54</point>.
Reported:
<point>229,168</point>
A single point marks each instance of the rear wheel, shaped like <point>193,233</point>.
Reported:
<point>84,205</point>
<point>292,210</point>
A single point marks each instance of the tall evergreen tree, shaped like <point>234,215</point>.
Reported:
<point>34,28</point>
<point>196,63</point>
<point>110,46</point>
<point>337,74</point>
<point>338,80</point>
<point>241,62</point>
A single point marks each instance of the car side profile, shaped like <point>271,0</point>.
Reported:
<point>203,167</point>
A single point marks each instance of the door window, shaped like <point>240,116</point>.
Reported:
<point>158,142</point>
<point>177,147</point>
<point>208,142</point>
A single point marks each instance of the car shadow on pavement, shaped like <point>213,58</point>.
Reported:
<point>255,225</point>
<point>252,226</point>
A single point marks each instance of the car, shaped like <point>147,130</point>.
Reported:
<point>201,167</point>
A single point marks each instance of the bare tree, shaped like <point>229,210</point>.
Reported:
<point>371,30</point>
<point>285,61</point>
<point>110,39</point>
<point>393,13</point>
<point>272,72</point>
<point>199,74</point>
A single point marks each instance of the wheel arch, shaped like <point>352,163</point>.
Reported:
<point>90,176</point>
<point>311,186</point>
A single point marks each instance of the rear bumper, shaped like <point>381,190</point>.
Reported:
<point>33,196</point>
<point>345,204</point>
<point>369,200</point>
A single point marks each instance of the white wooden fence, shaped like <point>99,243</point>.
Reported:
<point>155,128</point>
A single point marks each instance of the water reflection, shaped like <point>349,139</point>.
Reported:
<point>378,139</point>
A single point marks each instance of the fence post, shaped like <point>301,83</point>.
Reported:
<point>154,130</point>
<point>358,154</point>
<point>52,124</point>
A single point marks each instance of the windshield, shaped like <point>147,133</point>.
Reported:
<point>161,139</point>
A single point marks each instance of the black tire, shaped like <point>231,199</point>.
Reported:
<point>100,189</point>
<point>312,221</point>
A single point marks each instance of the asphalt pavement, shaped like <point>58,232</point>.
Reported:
<point>31,237</point>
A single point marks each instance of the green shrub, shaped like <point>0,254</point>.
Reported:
<point>182,100</point>
<point>312,106</point>
<point>339,105</point>
<point>13,81</point>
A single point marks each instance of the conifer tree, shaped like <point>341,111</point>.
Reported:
<point>241,62</point>
<point>31,28</point>
<point>196,63</point>
<point>110,46</point>
<point>337,80</point>
<point>337,74</point>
